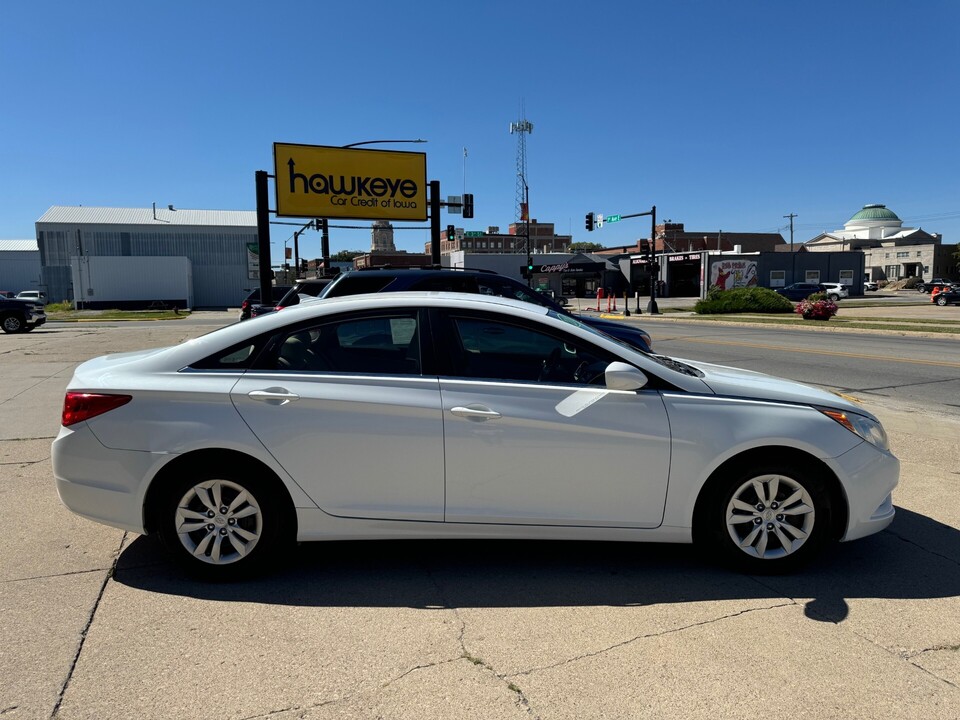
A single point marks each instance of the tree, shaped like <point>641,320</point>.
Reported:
<point>585,247</point>
<point>346,255</point>
<point>956,257</point>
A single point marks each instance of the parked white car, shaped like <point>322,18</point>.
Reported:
<point>836,291</point>
<point>34,295</point>
<point>870,285</point>
<point>415,415</point>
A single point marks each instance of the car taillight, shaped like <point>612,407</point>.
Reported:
<point>279,308</point>
<point>245,304</point>
<point>78,407</point>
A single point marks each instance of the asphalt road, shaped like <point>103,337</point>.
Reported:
<point>95,623</point>
<point>918,373</point>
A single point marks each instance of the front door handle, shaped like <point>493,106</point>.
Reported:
<point>475,412</point>
<point>274,396</point>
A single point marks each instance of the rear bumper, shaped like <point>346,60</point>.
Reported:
<point>101,484</point>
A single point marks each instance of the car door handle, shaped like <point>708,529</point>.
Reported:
<point>278,396</point>
<point>476,412</point>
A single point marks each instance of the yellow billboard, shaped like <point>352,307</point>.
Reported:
<point>332,182</point>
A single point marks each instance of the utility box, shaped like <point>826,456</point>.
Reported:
<point>132,283</point>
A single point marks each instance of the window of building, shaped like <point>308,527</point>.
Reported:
<point>778,278</point>
<point>919,253</point>
<point>903,254</point>
<point>892,272</point>
<point>812,276</point>
<point>846,277</point>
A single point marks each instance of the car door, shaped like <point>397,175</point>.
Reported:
<point>343,407</point>
<point>533,437</point>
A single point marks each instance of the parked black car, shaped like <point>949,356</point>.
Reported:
<point>246,307</point>
<point>484,282</point>
<point>801,291</point>
<point>21,315</point>
<point>948,297</point>
<point>310,287</point>
<point>929,285</point>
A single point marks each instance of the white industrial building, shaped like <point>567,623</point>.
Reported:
<point>129,257</point>
<point>19,265</point>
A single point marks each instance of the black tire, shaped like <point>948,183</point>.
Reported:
<point>811,531</point>
<point>921,288</point>
<point>941,301</point>
<point>833,297</point>
<point>12,323</point>
<point>240,554</point>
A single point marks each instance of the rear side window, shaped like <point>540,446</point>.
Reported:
<point>238,357</point>
<point>376,344</point>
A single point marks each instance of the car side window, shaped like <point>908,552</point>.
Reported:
<point>493,286</point>
<point>489,348</point>
<point>376,345</point>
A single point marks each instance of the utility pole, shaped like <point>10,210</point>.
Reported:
<point>793,270</point>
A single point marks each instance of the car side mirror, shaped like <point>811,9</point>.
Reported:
<point>621,376</point>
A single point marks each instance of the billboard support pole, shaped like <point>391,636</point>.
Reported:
<point>325,245</point>
<point>263,235</point>
<point>435,222</point>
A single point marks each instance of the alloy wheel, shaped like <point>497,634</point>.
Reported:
<point>770,516</point>
<point>218,522</point>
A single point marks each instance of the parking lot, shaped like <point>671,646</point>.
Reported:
<point>94,622</point>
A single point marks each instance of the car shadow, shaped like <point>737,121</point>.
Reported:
<point>916,558</point>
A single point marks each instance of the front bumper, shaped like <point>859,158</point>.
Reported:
<point>868,476</point>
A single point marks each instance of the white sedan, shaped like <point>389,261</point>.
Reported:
<point>413,415</point>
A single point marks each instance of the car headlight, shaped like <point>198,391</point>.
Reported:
<point>867,428</point>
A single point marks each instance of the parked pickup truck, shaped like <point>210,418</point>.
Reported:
<point>21,315</point>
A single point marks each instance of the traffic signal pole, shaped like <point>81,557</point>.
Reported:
<point>592,219</point>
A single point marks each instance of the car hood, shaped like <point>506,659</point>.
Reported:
<point>733,382</point>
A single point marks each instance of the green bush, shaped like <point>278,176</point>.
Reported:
<point>739,300</point>
<point>64,306</point>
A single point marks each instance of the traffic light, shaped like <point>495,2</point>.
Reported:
<point>451,232</point>
<point>645,249</point>
<point>588,222</point>
<point>468,205</point>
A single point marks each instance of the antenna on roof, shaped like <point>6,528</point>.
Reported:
<point>154,211</point>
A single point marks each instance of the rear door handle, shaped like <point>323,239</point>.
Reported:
<point>475,412</point>
<point>274,396</point>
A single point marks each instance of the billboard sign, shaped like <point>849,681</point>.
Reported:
<point>349,183</point>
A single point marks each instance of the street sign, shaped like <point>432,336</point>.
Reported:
<point>612,218</point>
<point>599,220</point>
<point>474,233</point>
<point>454,204</point>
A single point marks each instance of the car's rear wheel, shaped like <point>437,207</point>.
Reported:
<point>833,296</point>
<point>771,518</point>
<point>12,324</point>
<point>221,524</point>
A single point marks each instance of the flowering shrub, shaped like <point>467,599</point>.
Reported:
<point>817,307</point>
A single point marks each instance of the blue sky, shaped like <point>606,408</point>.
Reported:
<point>725,115</point>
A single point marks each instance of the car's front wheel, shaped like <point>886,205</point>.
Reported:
<point>222,524</point>
<point>833,296</point>
<point>941,301</point>
<point>771,518</point>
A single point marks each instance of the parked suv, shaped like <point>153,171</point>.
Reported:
<point>484,282</point>
<point>836,291</point>
<point>34,295</point>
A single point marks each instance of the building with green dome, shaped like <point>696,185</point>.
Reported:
<point>892,252</point>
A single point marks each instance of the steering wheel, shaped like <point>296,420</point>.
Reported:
<point>549,364</point>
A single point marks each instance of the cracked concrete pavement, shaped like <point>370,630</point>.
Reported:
<point>96,623</point>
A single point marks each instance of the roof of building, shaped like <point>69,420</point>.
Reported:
<point>79,215</point>
<point>874,212</point>
<point>19,246</point>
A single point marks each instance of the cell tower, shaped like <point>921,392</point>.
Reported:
<point>521,129</point>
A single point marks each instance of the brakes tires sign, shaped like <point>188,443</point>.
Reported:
<point>332,182</point>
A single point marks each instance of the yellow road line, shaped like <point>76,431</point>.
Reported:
<point>910,361</point>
